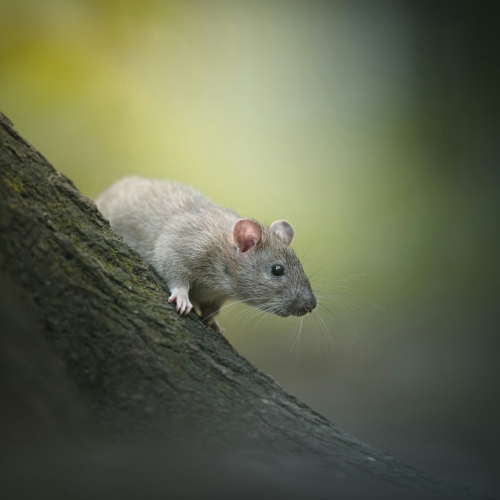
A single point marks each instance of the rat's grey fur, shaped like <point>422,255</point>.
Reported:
<point>189,241</point>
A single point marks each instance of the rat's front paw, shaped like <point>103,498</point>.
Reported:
<point>181,298</point>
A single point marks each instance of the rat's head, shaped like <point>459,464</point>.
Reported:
<point>268,274</point>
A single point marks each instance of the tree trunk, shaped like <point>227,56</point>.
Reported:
<point>145,374</point>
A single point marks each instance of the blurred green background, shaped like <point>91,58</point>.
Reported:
<point>372,126</point>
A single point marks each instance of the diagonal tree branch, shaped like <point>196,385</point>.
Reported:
<point>143,371</point>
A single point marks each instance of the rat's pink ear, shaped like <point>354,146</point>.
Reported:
<point>284,230</point>
<point>246,234</point>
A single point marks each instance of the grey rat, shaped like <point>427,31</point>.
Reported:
<point>208,254</point>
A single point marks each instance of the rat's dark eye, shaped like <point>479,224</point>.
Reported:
<point>277,270</point>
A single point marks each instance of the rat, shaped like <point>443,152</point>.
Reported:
<point>208,254</point>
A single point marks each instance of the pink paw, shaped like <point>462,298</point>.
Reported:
<point>181,299</point>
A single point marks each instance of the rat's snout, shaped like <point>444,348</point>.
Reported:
<point>309,304</point>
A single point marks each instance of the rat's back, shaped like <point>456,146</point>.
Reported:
<point>141,209</point>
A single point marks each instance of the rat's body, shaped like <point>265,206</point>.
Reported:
<point>207,254</point>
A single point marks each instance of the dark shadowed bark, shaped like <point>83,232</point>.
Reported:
<point>133,370</point>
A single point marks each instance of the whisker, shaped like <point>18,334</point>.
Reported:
<point>310,246</point>
<point>315,272</point>
<point>300,328</point>
<point>265,316</point>
<point>347,326</point>
<point>353,297</point>
<point>230,305</point>
<point>296,328</point>
<point>324,328</point>
<point>329,286</point>
<point>292,335</point>
<point>351,303</point>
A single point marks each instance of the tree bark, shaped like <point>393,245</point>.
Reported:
<point>143,372</point>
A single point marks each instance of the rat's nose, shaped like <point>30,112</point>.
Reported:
<point>309,305</point>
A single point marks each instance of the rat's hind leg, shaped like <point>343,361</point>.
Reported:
<point>208,311</point>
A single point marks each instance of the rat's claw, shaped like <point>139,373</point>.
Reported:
<point>186,307</point>
<point>181,299</point>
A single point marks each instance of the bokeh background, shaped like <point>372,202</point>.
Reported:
<point>372,126</point>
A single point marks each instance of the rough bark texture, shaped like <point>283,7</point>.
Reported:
<point>142,371</point>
